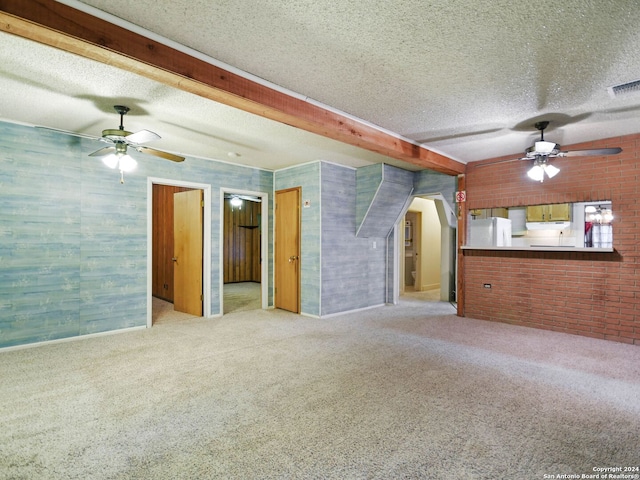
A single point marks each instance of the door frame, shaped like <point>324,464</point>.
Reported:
<point>398,244</point>
<point>206,242</point>
<point>417,254</point>
<point>264,243</point>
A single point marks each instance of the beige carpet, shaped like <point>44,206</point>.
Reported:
<point>237,297</point>
<point>408,391</point>
<point>424,295</point>
<point>241,297</point>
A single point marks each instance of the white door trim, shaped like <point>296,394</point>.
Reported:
<point>206,245</point>
<point>398,240</point>
<point>264,243</point>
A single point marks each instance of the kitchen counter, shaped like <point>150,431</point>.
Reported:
<point>543,249</point>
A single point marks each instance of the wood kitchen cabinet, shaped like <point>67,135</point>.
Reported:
<point>558,212</point>
<point>482,213</point>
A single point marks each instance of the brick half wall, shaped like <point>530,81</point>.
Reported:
<point>591,294</point>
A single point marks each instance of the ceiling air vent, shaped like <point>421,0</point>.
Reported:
<point>624,88</point>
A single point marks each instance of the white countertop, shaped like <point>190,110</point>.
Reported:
<point>543,249</point>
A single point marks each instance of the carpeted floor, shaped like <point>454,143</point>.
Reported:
<point>237,297</point>
<point>241,297</point>
<point>408,391</point>
<point>424,295</point>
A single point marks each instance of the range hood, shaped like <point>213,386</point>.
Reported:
<point>547,225</point>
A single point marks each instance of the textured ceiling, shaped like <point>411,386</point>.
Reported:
<point>467,78</point>
<point>43,86</point>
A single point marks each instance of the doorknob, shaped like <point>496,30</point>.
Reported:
<point>292,258</point>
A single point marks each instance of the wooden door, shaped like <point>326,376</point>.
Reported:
<point>287,250</point>
<point>162,251</point>
<point>187,253</point>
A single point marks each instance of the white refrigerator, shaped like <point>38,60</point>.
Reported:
<point>490,232</point>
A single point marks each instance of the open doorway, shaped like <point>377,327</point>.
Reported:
<point>425,245</point>
<point>244,248</point>
<point>194,281</point>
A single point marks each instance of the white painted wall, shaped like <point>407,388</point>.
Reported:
<point>430,250</point>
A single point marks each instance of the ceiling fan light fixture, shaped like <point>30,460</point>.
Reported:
<point>124,163</point>
<point>127,163</point>
<point>120,139</point>
<point>546,147</point>
<point>551,171</point>
<point>540,168</point>
<point>110,161</point>
<point>536,173</point>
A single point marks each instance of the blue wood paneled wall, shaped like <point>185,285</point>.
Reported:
<point>429,182</point>
<point>368,180</point>
<point>353,269</point>
<point>73,240</point>
<point>308,177</point>
<point>387,194</point>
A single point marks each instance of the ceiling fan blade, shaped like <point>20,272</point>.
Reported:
<point>67,132</point>
<point>103,151</point>
<point>160,153</point>
<point>598,152</point>
<point>143,136</point>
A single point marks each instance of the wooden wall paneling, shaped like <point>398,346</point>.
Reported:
<point>245,230</point>
<point>253,240</point>
<point>162,242</point>
<point>241,243</point>
<point>227,242</point>
<point>254,234</point>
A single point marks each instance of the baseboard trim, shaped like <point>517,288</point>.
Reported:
<point>346,312</point>
<point>71,339</point>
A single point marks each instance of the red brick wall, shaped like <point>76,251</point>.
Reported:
<point>591,294</point>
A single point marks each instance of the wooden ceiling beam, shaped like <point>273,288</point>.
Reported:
<point>71,30</point>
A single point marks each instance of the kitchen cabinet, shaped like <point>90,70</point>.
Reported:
<point>482,213</point>
<point>557,212</point>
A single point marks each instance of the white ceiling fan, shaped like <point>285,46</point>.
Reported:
<point>541,151</point>
<point>120,139</point>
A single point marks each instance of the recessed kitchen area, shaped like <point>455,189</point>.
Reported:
<point>570,226</point>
